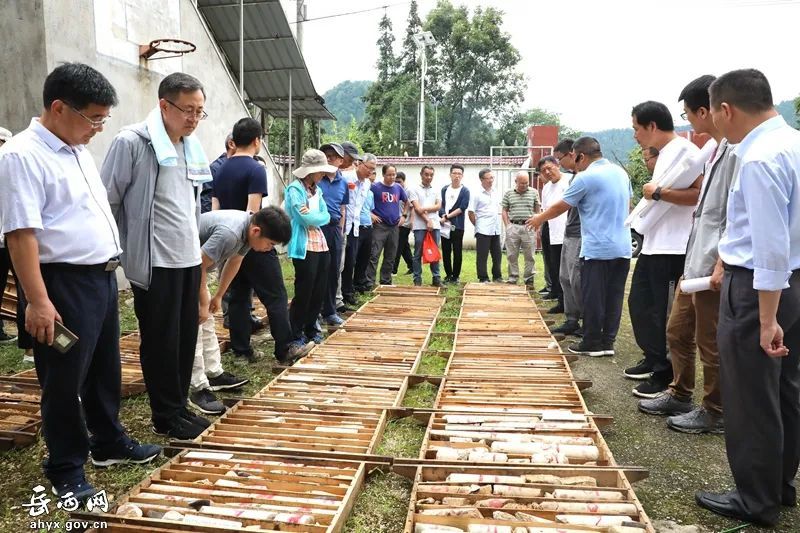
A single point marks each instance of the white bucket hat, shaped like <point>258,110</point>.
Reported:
<point>313,161</point>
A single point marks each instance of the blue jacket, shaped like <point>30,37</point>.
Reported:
<point>462,202</point>
<point>318,216</point>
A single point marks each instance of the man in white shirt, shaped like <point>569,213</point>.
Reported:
<point>426,202</point>
<point>65,248</point>
<point>455,200</point>
<point>484,213</point>
<point>558,183</point>
<point>660,264</point>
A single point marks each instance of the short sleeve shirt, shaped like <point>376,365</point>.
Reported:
<point>223,234</point>
<point>336,194</point>
<point>237,178</point>
<point>521,206</point>
<point>425,197</point>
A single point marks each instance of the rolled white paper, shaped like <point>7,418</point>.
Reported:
<point>690,286</point>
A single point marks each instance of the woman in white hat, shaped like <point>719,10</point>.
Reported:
<point>307,247</point>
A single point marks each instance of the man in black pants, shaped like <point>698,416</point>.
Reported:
<point>759,320</point>
<point>557,184</point>
<point>153,173</point>
<point>660,263</point>
<point>403,246</point>
<point>360,194</point>
<point>51,188</point>
<point>455,201</point>
<point>601,192</point>
<point>484,213</point>
<point>241,184</point>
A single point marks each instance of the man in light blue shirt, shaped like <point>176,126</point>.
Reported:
<point>601,192</point>
<point>759,320</point>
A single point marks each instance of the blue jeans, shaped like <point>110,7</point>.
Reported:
<point>419,237</point>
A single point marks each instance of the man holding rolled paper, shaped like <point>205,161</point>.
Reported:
<point>664,218</point>
<point>759,317</point>
<point>693,321</point>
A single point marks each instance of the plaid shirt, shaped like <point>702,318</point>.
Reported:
<point>315,238</point>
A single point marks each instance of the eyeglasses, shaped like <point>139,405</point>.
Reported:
<point>683,115</point>
<point>188,113</point>
<point>563,156</point>
<point>96,124</point>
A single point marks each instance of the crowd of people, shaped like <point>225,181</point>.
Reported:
<point>169,218</point>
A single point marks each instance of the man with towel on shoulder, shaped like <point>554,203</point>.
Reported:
<point>153,173</point>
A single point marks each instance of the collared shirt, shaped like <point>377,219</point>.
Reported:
<point>709,216</point>
<point>521,206</point>
<point>55,189</point>
<point>486,206</point>
<point>425,197</point>
<point>336,195</point>
<point>555,192</point>
<point>602,194</point>
<point>671,233</point>
<point>763,231</point>
<point>573,228</point>
<point>366,210</point>
<point>358,191</point>
<point>223,234</point>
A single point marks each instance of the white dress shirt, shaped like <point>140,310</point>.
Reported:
<point>486,206</point>
<point>670,234</point>
<point>552,193</point>
<point>55,189</point>
<point>763,230</point>
<point>358,190</point>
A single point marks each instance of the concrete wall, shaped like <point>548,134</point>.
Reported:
<point>23,62</point>
<point>106,34</point>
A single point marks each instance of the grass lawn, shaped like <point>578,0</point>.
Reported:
<point>679,464</point>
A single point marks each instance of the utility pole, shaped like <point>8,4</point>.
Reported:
<point>423,40</point>
<point>302,14</point>
<point>300,126</point>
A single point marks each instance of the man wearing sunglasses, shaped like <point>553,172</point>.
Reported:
<point>150,174</point>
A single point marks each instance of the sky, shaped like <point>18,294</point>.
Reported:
<point>587,60</point>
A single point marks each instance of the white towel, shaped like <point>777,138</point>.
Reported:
<point>197,168</point>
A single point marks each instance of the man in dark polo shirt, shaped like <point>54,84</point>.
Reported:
<point>336,196</point>
<point>241,184</point>
<point>570,268</point>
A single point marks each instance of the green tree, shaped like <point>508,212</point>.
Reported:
<point>473,76</point>
<point>408,54</point>
<point>637,171</point>
<point>797,110</point>
<point>387,62</point>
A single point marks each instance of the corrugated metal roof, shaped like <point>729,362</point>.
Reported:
<point>270,55</point>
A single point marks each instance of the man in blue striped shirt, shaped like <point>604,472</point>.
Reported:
<point>759,320</point>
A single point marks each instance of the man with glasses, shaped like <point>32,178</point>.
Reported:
<point>650,157</point>
<point>336,194</point>
<point>520,204</point>
<point>153,173</point>
<point>455,200</point>
<point>601,193</point>
<point>359,191</point>
<point>484,213</point>
<point>660,263</point>
<point>51,193</point>
<point>569,273</point>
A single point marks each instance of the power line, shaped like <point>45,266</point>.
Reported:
<point>353,12</point>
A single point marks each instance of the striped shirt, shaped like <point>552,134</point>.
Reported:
<point>521,206</point>
<point>315,238</point>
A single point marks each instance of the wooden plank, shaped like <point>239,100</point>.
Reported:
<point>20,416</point>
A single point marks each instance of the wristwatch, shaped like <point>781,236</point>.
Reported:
<point>657,194</point>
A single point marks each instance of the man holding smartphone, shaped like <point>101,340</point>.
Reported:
<point>50,191</point>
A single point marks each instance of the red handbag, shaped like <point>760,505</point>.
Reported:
<point>430,250</point>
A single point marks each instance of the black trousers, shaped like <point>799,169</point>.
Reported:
<point>80,389</point>
<point>403,250</point>
<point>488,244</point>
<point>260,272</point>
<point>548,277</point>
<point>360,282</point>
<point>333,236</point>
<point>452,245</point>
<point>351,248</point>
<point>603,289</point>
<point>652,289</point>
<point>310,288</point>
<point>760,395</point>
<point>555,269</point>
<point>168,314</point>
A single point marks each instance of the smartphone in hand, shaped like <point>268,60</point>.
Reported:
<point>63,339</point>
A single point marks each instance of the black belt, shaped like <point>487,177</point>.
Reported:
<point>364,227</point>
<point>109,266</point>
<point>520,222</point>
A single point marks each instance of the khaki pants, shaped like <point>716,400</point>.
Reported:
<point>693,325</point>
<point>207,357</point>
<point>518,238</point>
